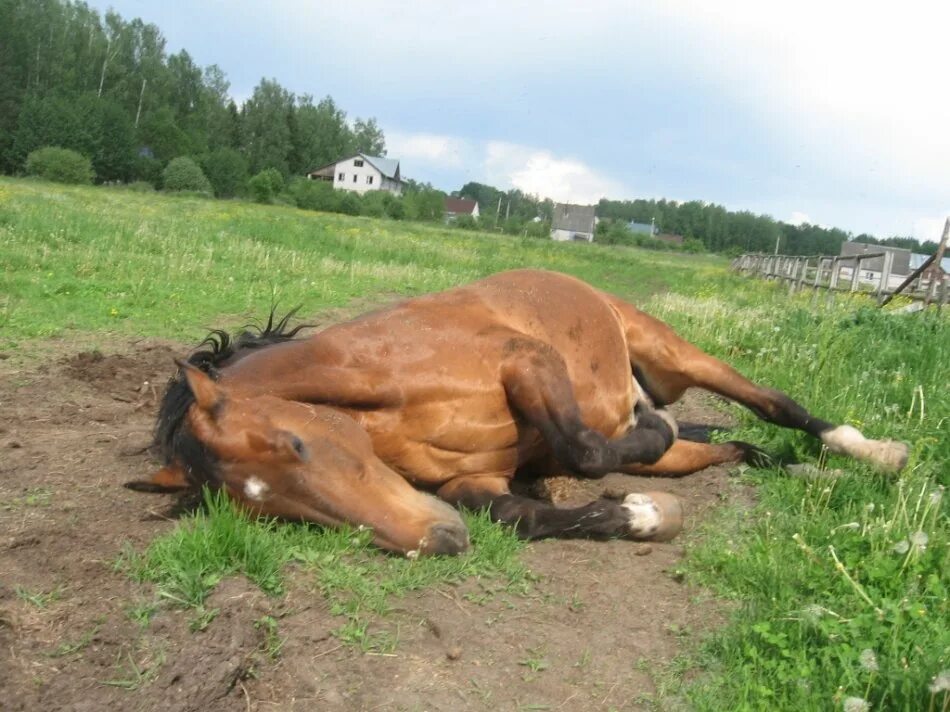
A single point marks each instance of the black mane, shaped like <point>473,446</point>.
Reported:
<point>175,442</point>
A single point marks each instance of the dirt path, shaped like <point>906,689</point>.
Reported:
<point>599,617</point>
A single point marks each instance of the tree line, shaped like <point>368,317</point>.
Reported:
<point>108,89</point>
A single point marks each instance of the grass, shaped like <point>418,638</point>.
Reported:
<point>839,583</point>
<point>358,581</point>
<point>81,259</point>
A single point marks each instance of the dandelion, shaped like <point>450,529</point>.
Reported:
<point>936,496</point>
<point>919,539</point>
<point>868,660</point>
<point>941,682</point>
<point>855,704</point>
<point>901,547</point>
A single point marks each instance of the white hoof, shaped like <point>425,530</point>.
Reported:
<point>888,455</point>
<point>657,516</point>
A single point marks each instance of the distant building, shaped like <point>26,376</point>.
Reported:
<point>573,222</point>
<point>642,228</point>
<point>361,173</point>
<point>460,206</point>
<point>871,269</point>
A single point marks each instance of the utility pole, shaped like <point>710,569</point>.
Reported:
<point>777,238</point>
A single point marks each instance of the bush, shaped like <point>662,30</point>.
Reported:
<point>60,165</point>
<point>265,185</point>
<point>226,170</point>
<point>376,203</point>
<point>183,174</point>
<point>313,194</point>
<point>349,203</point>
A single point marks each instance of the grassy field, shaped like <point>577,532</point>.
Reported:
<point>839,579</point>
<point>80,259</point>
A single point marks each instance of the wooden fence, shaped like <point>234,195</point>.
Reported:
<point>829,273</point>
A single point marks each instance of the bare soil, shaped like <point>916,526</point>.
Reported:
<point>600,620</point>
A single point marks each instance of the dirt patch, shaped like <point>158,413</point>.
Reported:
<point>598,619</point>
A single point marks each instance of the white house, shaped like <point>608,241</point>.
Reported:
<point>361,173</point>
<point>573,222</point>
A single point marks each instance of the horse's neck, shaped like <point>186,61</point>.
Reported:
<point>312,370</point>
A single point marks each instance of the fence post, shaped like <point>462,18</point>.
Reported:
<point>835,269</point>
<point>885,274</point>
<point>856,273</point>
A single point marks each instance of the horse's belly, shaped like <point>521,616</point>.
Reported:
<point>431,442</point>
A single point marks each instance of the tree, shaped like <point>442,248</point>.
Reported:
<point>368,138</point>
<point>266,135</point>
<point>321,135</point>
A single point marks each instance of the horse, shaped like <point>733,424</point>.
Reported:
<point>394,419</point>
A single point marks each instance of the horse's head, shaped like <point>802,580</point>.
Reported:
<point>310,462</point>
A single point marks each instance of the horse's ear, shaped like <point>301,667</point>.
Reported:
<point>170,478</point>
<point>206,392</point>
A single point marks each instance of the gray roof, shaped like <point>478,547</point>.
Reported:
<point>901,256</point>
<point>389,167</point>
<point>573,218</point>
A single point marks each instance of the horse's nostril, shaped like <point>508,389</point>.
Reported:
<point>449,539</point>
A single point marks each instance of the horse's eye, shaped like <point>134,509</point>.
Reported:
<point>298,446</point>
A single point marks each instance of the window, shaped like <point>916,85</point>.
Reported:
<point>369,180</point>
<point>355,177</point>
<point>358,163</point>
<point>342,177</point>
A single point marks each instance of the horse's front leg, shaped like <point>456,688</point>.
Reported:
<point>654,516</point>
<point>539,391</point>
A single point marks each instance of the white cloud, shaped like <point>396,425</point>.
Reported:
<point>800,218</point>
<point>503,164</point>
<point>539,172</point>
<point>428,148</point>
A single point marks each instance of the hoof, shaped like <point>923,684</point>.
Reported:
<point>653,516</point>
<point>888,455</point>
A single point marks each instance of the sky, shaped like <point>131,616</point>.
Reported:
<point>834,113</point>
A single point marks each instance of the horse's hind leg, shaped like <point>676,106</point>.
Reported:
<point>656,516</point>
<point>539,390</point>
<point>666,365</point>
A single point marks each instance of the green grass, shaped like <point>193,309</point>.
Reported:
<point>359,581</point>
<point>81,259</point>
<point>839,584</point>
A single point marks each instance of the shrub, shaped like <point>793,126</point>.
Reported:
<point>265,185</point>
<point>313,194</point>
<point>226,170</point>
<point>349,203</point>
<point>60,165</point>
<point>183,174</point>
<point>376,203</point>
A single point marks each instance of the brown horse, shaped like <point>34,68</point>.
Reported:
<point>452,394</point>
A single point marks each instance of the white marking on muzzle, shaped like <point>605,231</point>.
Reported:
<point>255,488</point>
